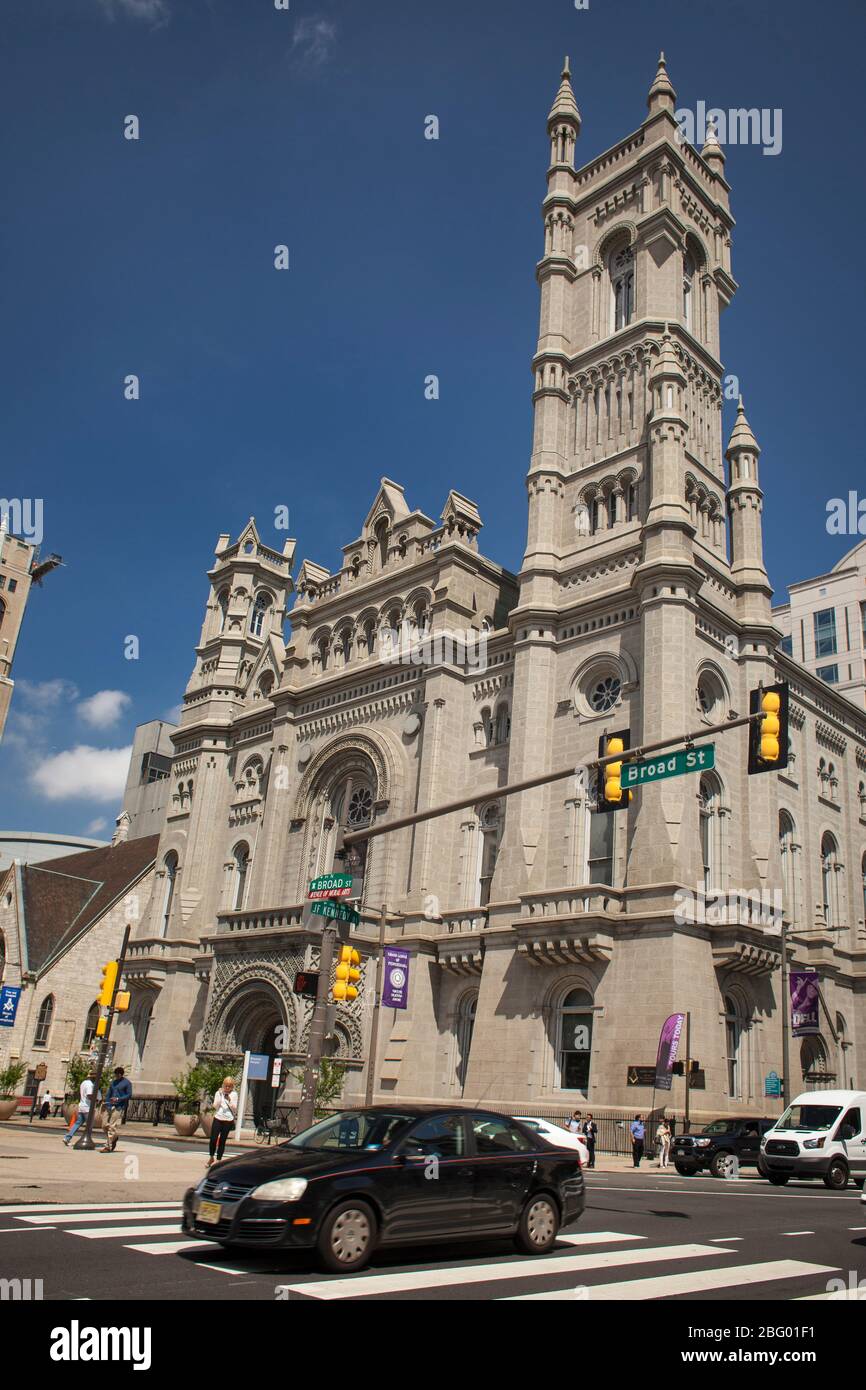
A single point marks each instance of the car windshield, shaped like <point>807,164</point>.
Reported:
<point>807,1117</point>
<point>533,1125</point>
<point>353,1131</point>
<point>719,1127</point>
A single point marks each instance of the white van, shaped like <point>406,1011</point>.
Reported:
<point>822,1134</point>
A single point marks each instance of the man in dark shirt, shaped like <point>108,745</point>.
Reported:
<point>116,1103</point>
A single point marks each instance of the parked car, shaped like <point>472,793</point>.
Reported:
<point>714,1145</point>
<point>822,1134</point>
<point>391,1175</point>
<point>556,1134</point>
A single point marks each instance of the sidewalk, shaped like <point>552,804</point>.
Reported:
<point>35,1166</point>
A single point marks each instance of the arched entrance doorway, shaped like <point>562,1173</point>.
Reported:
<point>254,1021</point>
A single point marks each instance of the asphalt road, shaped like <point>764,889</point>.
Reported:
<point>641,1237</point>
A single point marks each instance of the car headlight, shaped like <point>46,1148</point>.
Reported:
<point>281,1190</point>
<point>813,1143</point>
<point>702,1143</point>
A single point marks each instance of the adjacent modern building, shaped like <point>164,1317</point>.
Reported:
<point>547,942</point>
<point>824,624</point>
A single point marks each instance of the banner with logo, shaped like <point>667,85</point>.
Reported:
<point>804,1003</point>
<point>669,1045</point>
<point>9,996</point>
<point>395,989</point>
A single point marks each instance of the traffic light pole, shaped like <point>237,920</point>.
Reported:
<point>86,1140</point>
<point>315,1050</point>
<point>786,1060</point>
<point>377,1010</point>
<point>688,1074</point>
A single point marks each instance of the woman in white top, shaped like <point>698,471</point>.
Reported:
<point>225,1114</point>
<point>663,1140</point>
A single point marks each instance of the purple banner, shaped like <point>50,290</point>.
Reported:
<point>395,987</point>
<point>804,1003</point>
<point>669,1045</point>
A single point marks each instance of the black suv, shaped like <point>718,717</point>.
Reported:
<point>714,1145</point>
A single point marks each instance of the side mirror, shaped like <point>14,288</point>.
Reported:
<point>846,1133</point>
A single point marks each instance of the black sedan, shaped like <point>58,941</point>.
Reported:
<point>391,1175</point>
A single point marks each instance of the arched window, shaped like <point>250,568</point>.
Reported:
<point>829,864</point>
<point>688,297</point>
<point>631,502</point>
<point>814,1064</point>
<point>142,1025</point>
<point>466,1011</point>
<point>382,535</point>
<point>348,805</point>
<point>43,1022</point>
<point>421,618</point>
<point>599,846</point>
<point>487,726</point>
<point>324,652</point>
<point>90,1027</point>
<point>733,1040</point>
<point>503,724</point>
<point>574,1044</point>
<point>490,828</point>
<point>621,270</point>
<point>241,862</point>
<point>370,637</point>
<point>260,608</point>
<point>223,604</point>
<point>2,611</point>
<point>709,809</point>
<point>266,684</point>
<point>170,867</point>
<point>844,1044</point>
<point>345,641</point>
<point>786,849</point>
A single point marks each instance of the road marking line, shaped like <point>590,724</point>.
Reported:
<point>24,1230</point>
<point>695,1281</point>
<point>76,1206</point>
<point>220,1269</point>
<point>167,1247</point>
<point>857,1228</point>
<point>90,1233</point>
<point>597,1238</point>
<point>156,1213</point>
<point>494,1273</point>
<point>724,1240</point>
<point>719,1192</point>
<point>838,1295</point>
<point>796,1233</point>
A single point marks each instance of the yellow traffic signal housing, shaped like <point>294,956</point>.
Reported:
<point>768,735</point>
<point>612,796</point>
<point>109,980</point>
<point>348,974</point>
<point>121,1001</point>
<point>101,1025</point>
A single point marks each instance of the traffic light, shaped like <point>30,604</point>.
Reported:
<point>768,736</point>
<point>109,980</point>
<point>307,983</point>
<point>348,974</point>
<point>121,1001</point>
<point>612,796</point>
<point>101,1025</point>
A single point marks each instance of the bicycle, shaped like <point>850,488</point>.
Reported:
<point>272,1127</point>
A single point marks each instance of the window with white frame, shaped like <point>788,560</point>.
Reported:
<point>241,858</point>
<point>490,830</point>
<point>621,272</point>
<point>829,870</point>
<point>599,845</point>
<point>709,811</point>
<point>575,1020</point>
<point>733,1044</point>
<point>44,1021</point>
<point>260,608</point>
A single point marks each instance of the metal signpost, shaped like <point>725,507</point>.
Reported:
<point>86,1140</point>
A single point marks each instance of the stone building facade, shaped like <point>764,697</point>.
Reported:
<point>547,943</point>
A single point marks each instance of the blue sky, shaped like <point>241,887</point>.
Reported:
<point>259,389</point>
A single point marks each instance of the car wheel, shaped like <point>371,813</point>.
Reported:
<point>719,1163</point>
<point>778,1179</point>
<point>347,1237</point>
<point>683,1171</point>
<point>539,1226</point>
<point>836,1176</point>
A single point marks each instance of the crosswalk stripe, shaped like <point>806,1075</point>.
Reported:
<point>171,1247</point>
<point>837,1296</point>
<point>597,1238</point>
<point>16,1207</point>
<point>154,1213</point>
<point>361,1285</point>
<point>694,1281</point>
<point>91,1233</point>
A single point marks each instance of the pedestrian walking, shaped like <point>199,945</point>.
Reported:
<point>590,1133</point>
<point>85,1097</point>
<point>45,1107</point>
<point>225,1107</point>
<point>116,1104</point>
<point>663,1143</point>
<point>638,1134</point>
<point>574,1123</point>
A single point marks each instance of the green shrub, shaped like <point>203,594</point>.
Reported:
<point>10,1077</point>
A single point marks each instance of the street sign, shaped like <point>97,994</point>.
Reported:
<point>641,1076</point>
<point>773,1084</point>
<point>331,886</point>
<point>339,911</point>
<point>41,1071</point>
<point>278,1067</point>
<point>700,759</point>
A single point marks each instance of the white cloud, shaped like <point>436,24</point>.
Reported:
<point>172,716</point>
<point>313,41</point>
<point>155,12</point>
<point>104,708</point>
<point>45,695</point>
<point>96,825</point>
<point>83,774</point>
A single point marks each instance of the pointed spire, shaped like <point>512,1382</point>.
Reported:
<point>712,151</point>
<point>662,96</point>
<point>741,435</point>
<point>667,364</point>
<point>564,107</point>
